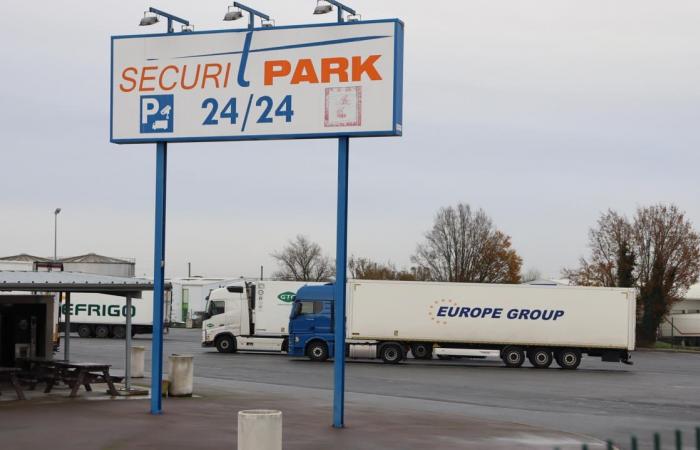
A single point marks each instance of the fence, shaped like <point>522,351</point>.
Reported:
<point>634,442</point>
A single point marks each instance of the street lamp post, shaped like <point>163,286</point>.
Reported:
<point>55,233</point>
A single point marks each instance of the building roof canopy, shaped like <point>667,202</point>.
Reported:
<point>15,280</point>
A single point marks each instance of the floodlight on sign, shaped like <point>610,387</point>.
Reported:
<point>354,18</point>
<point>187,28</point>
<point>148,19</point>
<point>233,15</point>
<point>267,23</point>
<point>322,7</point>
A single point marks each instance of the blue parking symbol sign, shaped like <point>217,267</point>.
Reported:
<point>157,113</point>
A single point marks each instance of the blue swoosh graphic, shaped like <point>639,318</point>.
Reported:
<point>284,47</point>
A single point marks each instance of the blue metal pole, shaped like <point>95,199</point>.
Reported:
<point>340,281</point>
<point>158,279</point>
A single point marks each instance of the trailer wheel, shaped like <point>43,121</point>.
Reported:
<point>102,331</point>
<point>540,358</point>
<point>568,359</point>
<point>391,353</point>
<point>513,356</point>
<point>119,332</point>
<point>225,344</point>
<point>84,331</point>
<point>422,350</point>
<point>317,351</point>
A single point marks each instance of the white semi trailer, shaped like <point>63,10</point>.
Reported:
<point>386,319</point>
<point>681,328</point>
<point>104,316</point>
<point>250,316</point>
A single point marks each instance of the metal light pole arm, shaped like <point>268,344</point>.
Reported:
<point>341,8</point>
<point>252,13</point>
<point>170,18</point>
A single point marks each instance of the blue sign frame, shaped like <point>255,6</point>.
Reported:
<point>396,130</point>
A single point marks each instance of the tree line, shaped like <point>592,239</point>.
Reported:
<point>657,252</point>
<point>462,246</point>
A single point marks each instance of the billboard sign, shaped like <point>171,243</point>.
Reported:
<point>306,81</point>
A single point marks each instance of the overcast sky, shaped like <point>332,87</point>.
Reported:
<point>544,113</point>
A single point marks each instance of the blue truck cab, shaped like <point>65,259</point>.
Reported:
<point>311,323</point>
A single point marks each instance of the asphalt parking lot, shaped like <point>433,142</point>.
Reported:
<point>604,400</point>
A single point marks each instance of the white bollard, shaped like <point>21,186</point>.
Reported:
<point>181,375</point>
<point>260,429</point>
<point>138,356</point>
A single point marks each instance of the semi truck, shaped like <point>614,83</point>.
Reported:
<point>387,319</point>
<point>250,316</point>
<point>104,316</point>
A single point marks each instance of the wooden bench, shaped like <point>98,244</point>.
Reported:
<point>77,374</point>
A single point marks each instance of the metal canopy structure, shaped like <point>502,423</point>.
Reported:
<point>15,280</point>
<point>68,282</point>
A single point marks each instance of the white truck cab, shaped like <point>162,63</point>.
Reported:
<point>250,316</point>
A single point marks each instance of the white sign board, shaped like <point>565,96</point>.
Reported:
<point>307,81</point>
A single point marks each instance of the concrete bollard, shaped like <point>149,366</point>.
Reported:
<point>260,429</point>
<point>181,375</point>
<point>138,356</point>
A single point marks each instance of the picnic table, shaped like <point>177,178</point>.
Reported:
<point>76,374</point>
<point>11,373</point>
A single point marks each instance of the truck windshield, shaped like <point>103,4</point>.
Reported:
<point>302,308</point>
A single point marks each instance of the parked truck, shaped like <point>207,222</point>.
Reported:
<point>387,319</point>
<point>104,316</point>
<point>682,329</point>
<point>250,316</point>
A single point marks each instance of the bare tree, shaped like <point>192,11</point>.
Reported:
<point>465,246</point>
<point>668,250</point>
<point>658,253</point>
<point>366,269</point>
<point>530,275</point>
<point>612,257</point>
<point>303,260</point>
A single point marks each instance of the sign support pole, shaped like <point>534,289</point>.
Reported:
<point>127,340</point>
<point>66,335</point>
<point>340,281</point>
<point>158,279</point>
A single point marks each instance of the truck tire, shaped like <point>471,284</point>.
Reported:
<point>102,331</point>
<point>568,358</point>
<point>540,358</point>
<point>119,332</point>
<point>84,331</point>
<point>317,351</point>
<point>422,350</point>
<point>225,344</point>
<point>391,353</point>
<point>513,356</point>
